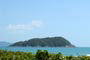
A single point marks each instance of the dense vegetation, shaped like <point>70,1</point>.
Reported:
<point>42,42</point>
<point>40,55</point>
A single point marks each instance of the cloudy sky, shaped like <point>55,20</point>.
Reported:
<point>26,19</point>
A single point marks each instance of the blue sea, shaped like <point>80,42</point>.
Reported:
<point>79,51</point>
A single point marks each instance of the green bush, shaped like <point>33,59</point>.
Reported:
<point>40,55</point>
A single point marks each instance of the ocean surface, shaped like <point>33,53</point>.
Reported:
<point>80,51</point>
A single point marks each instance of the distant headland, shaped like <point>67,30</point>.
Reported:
<point>3,43</point>
<point>44,42</point>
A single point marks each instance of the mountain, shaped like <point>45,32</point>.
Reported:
<point>45,42</point>
<point>4,43</point>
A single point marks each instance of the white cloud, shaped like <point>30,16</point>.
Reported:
<point>36,23</point>
<point>19,27</point>
<point>24,27</point>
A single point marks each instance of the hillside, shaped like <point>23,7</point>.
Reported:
<point>45,42</point>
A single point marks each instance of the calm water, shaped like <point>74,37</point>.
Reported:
<point>65,51</point>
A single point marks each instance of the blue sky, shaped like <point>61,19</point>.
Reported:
<point>26,19</point>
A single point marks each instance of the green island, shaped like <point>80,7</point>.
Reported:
<point>45,42</point>
<point>40,55</point>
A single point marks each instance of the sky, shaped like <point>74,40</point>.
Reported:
<point>25,19</point>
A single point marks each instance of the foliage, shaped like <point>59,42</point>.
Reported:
<point>40,55</point>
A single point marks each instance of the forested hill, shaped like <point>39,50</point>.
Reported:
<point>45,42</point>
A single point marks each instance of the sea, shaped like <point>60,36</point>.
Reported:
<point>77,51</point>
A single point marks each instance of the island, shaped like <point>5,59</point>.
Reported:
<point>44,42</point>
